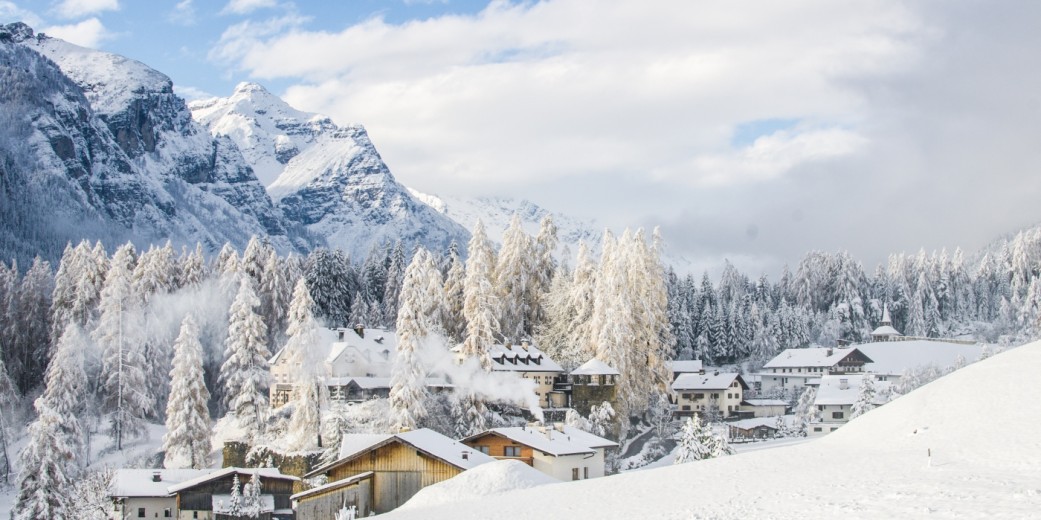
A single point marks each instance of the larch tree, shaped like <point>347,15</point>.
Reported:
<point>124,397</point>
<point>300,352</point>
<point>244,373</point>
<point>155,274</point>
<point>480,309</point>
<point>395,274</point>
<point>193,268</point>
<point>276,291</point>
<point>65,387</point>
<point>455,280</point>
<point>48,468</point>
<point>542,273</point>
<point>408,391</point>
<point>187,440</point>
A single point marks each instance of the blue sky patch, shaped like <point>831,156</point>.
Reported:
<point>746,133</point>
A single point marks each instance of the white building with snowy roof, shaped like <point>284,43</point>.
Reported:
<point>562,452</point>
<point>885,330</point>
<point>796,368</point>
<point>591,384</point>
<point>685,366</point>
<point>891,359</point>
<point>708,394</point>
<point>144,493</point>
<point>400,464</point>
<point>836,397</point>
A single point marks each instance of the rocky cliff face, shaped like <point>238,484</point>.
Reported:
<point>98,146</point>
<point>327,178</point>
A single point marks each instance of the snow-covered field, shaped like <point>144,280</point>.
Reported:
<point>979,424</point>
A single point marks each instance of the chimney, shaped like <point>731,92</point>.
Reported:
<point>359,329</point>
<point>843,384</point>
<point>339,335</point>
<point>830,351</point>
<point>157,476</point>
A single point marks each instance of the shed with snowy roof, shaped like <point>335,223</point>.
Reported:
<point>562,452</point>
<point>592,384</point>
<point>401,465</point>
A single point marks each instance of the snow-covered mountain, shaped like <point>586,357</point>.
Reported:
<point>327,178</point>
<point>98,146</point>
<point>496,213</point>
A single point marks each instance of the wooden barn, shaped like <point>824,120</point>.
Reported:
<point>207,497</point>
<point>400,465</point>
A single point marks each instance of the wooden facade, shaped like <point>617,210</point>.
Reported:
<point>498,446</point>
<point>197,501</point>
<point>324,502</point>
<point>400,471</point>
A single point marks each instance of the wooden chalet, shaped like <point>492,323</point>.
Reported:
<point>207,497</point>
<point>562,452</point>
<point>379,472</point>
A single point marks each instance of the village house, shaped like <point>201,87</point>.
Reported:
<point>706,394</point>
<point>400,465</point>
<point>892,359</point>
<point>835,399</point>
<point>143,493</point>
<point>530,363</point>
<point>559,451</point>
<point>592,384</point>
<point>195,494</point>
<point>757,428</point>
<point>794,369</point>
<point>689,366</point>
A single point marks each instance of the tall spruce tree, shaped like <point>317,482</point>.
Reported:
<point>408,391</point>
<point>300,352</point>
<point>187,440</point>
<point>244,373</point>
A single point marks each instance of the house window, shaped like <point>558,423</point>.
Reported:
<point>511,451</point>
<point>574,473</point>
<point>730,395</point>
<point>699,396</point>
<point>715,396</point>
<point>166,513</point>
<point>140,512</point>
<point>686,396</point>
<point>686,408</point>
<point>836,415</point>
<point>817,429</point>
<point>483,449</point>
<point>585,472</point>
<point>195,514</point>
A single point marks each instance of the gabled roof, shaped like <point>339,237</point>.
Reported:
<point>885,330</point>
<point>333,485</point>
<point>813,357</point>
<point>570,441</point>
<point>139,483</point>
<point>765,402</point>
<point>425,440</point>
<point>686,366</point>
<point>221,473</point>
<point>594,367</point>
<point>756,422</point>
<point>521,358</point>
<point>894,357</point>
<point>713,381</point>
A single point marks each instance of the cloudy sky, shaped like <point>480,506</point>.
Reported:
<point>753,130</point>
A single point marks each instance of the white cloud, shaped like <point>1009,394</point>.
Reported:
<point>190,93</point>
<point>247,6</point>
<point>79,8</point>
<point>628,112</point>
<point>183,13</point>
<point>10,12</point>
<point>88,33</point>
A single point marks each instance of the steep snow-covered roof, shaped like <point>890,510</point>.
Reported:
<point>894,357</point>
<point>139,483</point>
<point>810,357</point>
<point>754,422</point>
<point>594,367</point>
<point>686,366</point>
<point>521,358</point>
<point>221,473</point>
<point>831,391</point>
<point>570,441</point>
<point>423,439</point>
<point>713,381</point>
<point>885,330</point>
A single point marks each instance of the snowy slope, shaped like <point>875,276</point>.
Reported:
<point>327,178</point>
<point>115,155</point>
<point>979,423</point>
<point>486,480</point>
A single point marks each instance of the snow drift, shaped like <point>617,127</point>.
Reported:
<point>979,425</point>
<point>486,480</point>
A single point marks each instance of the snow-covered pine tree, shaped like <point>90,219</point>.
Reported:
<point>693,441</point>
<point>7,398</point>
<point>511,276</point>
<point>276,290</point>
<point>124,396</point>
<point>479,302</point>
<point>193,268</point>
<point>300,352</point>
<point>865,397</point>
<point>435,306</point>
<point>805,411</point>
<point>48,467</point>
<point>543,269</point>
<point>64,295</point>
<point>66,387</point>
<point>408,391</point>
<point>251,501</point>
<point>553,334</point>
<point>234,508</point>
<point>331,282</point>
<point>395,273</point>
<point>455,323</point>
<point>155,274</point>
<point>29,345</point>
<point>187,440</point>
<point>244,373</point>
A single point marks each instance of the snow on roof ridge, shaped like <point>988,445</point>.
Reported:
<point>263,472</point>
<point>595,367</point>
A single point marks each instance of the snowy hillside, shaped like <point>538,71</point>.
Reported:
<point>979,424</point>
<point>326,178</point>
<point>98,146</point>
